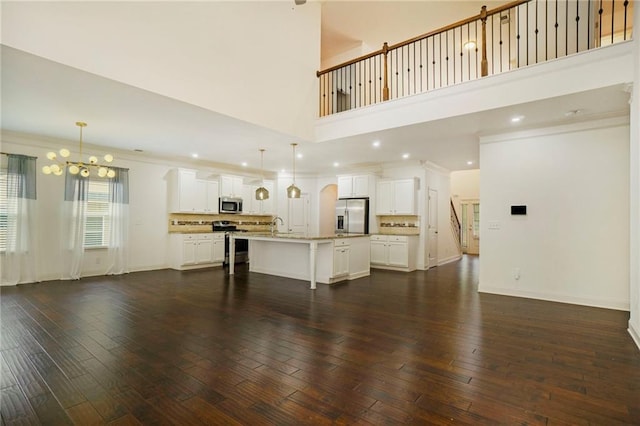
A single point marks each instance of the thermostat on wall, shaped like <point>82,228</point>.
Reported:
<point>518,210</point>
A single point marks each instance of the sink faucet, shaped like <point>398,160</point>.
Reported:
<point>274,222</point>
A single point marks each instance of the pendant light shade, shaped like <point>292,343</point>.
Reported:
<point>262,193</point>
<point>293,191</point>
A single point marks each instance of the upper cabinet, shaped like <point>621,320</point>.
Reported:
<point>188,194</point>
<point>351,186</point>
<point>396,197</point>
<point>231,186</point>
<point>252,206</point>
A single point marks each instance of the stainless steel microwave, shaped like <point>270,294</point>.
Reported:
<point>230,205</point>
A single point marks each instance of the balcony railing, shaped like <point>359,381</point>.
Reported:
<point>518,34</point>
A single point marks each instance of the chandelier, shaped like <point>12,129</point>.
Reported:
<point>262,193</point>
<point>78,167</point>
<point>293,191</point>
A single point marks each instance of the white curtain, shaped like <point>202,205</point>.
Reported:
<point>19,260</point>
<point>119,214</point>
<point>76,195</point>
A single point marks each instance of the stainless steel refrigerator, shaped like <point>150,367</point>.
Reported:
<point>352,216</point>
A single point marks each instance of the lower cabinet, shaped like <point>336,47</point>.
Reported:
<point>341,251</point>
<point>191,251</point>
<point>396,252</point>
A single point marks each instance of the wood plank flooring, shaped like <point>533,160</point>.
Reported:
<point>201,347</point>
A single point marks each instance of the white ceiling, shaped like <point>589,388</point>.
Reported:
<point>46,98</point>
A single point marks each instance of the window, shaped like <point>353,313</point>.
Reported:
<point>4,210</point>
<point>98,222</point>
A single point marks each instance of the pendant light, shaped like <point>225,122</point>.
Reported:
<point>78,167</point>
<point>293,191</point>
<point>262,193</point>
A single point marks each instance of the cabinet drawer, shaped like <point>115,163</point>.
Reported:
<point>378,238</point>
<point>398,238</point>
<point>341,242</point>
<point>208,237</point>
<point>218,235</point>
<point>189,237</point>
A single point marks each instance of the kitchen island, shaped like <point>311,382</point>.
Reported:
<point>317,259</point>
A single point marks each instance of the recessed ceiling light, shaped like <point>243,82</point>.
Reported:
<point>299,155</point>
<point>517,118</point>
<point>194,155</point>
<point>375,144</point>
<point>405,156</point>
<point>336,164</point>
<point>470,45</point>
<point>244,164</point>
<point>469,163</point>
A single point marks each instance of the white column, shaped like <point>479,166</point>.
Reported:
<point>232,254</point>
<point>634,186</point>
<point>313,251</point>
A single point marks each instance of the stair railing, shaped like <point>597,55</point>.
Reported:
<point>511,36</point>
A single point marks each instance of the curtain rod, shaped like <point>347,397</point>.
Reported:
<point>8,153</point>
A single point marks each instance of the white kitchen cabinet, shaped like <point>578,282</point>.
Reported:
<point>252,206</point>
<point>396,197</point>
<point>191,251</point>
<point>351,186</point>
<point>341,250</point>
<point>188,194</point>
<point>396,252</point>
<point>231,186</point>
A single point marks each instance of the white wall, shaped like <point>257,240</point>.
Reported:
<point>634,194</point>
<point>440,180</point>
<point>573,244</point>
<point>236,58</point>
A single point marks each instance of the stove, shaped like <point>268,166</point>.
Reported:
<point>242,246</point>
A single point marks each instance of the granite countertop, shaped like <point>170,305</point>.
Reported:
<point>295,235</point>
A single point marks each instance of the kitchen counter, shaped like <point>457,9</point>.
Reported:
<point>315,258</point>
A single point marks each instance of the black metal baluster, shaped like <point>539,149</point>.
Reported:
<point>352,88</point>
<point>626,3</point>
<point>566,41</point>
<point>613,14</point>
<point>556,26</point>
<point>415,86</point>
<point>421,65</point>
<point>527,33</point>
<point>439,61</point>
<point>517,37</point>
<point>588,24</point>
<point>447,53</point>
<point>468,52</point>
<point>546,30</point>
<point>536,32</point>
<point>600,26</point>
<point>453,44</point>
<point>577,27</point>
<point>493,45</point>
<point>501,53</point>
<point>509,37</point>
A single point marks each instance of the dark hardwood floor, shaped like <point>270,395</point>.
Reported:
<point>200,347</point>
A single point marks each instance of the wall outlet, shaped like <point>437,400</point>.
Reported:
<point>516,273</point>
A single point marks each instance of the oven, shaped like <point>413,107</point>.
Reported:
<point>241,246</point>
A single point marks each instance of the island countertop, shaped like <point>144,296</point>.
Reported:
<point>323,258</point>
<point>293,236</point>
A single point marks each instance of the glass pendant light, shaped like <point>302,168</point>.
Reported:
<point>262,193</point>
<point>293,191</point>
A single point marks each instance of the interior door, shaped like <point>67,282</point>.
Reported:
<point>470,227</point>
<point>299,214</point>
<point>433,227</point>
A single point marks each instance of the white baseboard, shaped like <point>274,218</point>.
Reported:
<point>449,259</point>
<point>619,305</point>
<point>635,335</point>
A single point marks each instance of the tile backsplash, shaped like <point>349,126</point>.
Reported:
<point>405,225</point>
<point>187,222</point>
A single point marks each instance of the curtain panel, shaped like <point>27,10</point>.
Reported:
<point>19,259</point>
<point>76,196</point>
<point>117,254</point>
